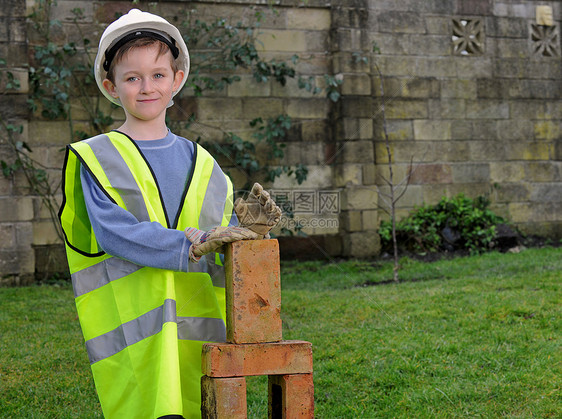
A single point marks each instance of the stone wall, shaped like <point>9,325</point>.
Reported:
<point>483,118</point>
<point>471,95</point>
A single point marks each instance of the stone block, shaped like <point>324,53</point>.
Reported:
<point>355,129</point>
<point>529,150</point>
<point>507,172</point>
<point>446,109</point>
<point>308,153</point>
<point>407,87</point>
<point>16,209</point>
<point>504,48</point>
<point>547,130</point>
<point>520,212</point>
<point>350,17</point>
<point>431,173</point>
<point>429,45</point>
<point>437,25</point>
<point>487,109</point>
<point>349,39</point>
<point>515,130</point>
<point>407,109</point>
<point>291,89</point>
<point>21,75</point>
<point>461,130</point>
<point>351,220</point>
<point>473,67</point>
<point>308,108</point>
<point>487,151</point>
<point>543,70</point>
<point>7,236</point>
<point>471,173</point>
<point>356,84</point>
<point>63,9</point>
<point>48,133</point>
<point>474,7</point>
<point>432,129</point>
<point>399,173</point>
<point>348,174</point>
<point>279,358</point>
<point>261,107</point>
<point>291,40</point>
<point>396,129</point>
<point>356,152</point>
<point>19,262</point>
<point>512,192</point>
<point>549,171</point>
<point>509,69</point>
<point>13,8</point>
<point>484,129</point>
<point>219,109</point>
<point>500,27</point>
<point>315,131</point>
<point>23,234</point>
<point>452,151</point>
<point>44,233</point>
<point>401,22</point>
<point>291,396</point>
<point>309,19</point>
<point>546,192</point>
<point>459,88</point>
<point>370,219</point>
<point>253,292</point>
<point>369,174</point>
<point>223,398</point>
<point>394,44</point>
<point>359,198</point>
<point>356,107</point>
<point>361,244</point>
<point>249,87</point>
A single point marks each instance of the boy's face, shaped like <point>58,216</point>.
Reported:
<point>144,83</point>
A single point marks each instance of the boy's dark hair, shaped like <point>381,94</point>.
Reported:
<point>140,43</point>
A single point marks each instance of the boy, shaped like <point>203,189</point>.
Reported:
<point>148,293</point>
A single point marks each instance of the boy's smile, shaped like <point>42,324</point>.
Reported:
<point>144,84</point>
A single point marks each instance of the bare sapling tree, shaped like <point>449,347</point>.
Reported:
<point>395,190</point>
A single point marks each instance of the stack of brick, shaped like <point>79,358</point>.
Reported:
<point>254,341</point>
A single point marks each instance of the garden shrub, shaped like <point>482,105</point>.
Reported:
<point>457,223</point>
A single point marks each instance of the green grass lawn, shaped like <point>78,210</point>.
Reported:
<point>474,337</point>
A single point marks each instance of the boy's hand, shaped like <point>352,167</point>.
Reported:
<point>258,212</point>
<point>204,242</point>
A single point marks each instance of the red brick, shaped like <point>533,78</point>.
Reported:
<point>253,292</point>
<point>223,398</point>
<point>240,360</point>
<point>291,396</point>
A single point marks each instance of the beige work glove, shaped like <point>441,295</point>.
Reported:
<point>204,242</point>
<point>258,212</point>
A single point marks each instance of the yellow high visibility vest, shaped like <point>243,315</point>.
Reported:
<point>144,327</point>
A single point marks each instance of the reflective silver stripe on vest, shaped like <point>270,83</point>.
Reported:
<point>212,212</point>
<point>150,324</point>
<point>119,175</point>
<point>206,329</point>
<point>100,274</point>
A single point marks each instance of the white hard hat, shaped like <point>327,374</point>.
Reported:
<point>133,25</point>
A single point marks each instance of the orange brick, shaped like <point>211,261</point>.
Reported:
<point>223,398</point>
<point>291,396</point>
<point>240,360</point>
<point>253,292</point>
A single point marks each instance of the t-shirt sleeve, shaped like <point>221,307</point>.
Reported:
<point>120,234</point>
